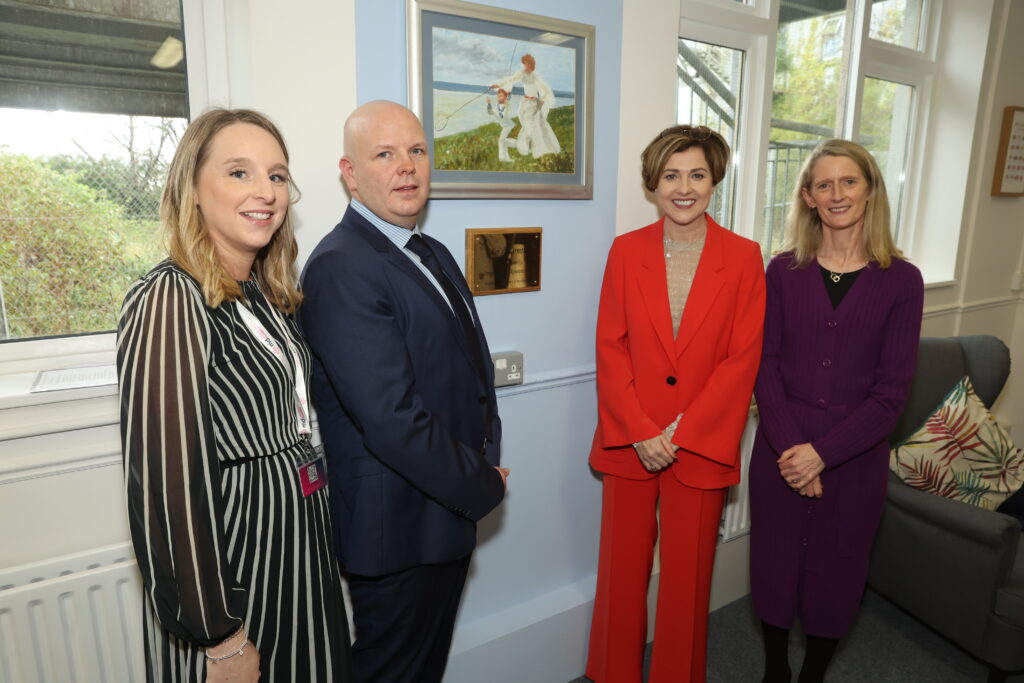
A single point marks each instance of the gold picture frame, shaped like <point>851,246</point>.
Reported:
<point>503,260</point>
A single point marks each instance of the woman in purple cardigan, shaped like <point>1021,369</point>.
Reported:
<point>840,345</point>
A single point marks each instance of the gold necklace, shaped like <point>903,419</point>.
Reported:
<point>835,277</point>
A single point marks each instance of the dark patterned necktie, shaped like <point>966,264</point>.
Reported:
<point>421,248</point>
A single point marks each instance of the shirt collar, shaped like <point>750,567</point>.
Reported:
<point>398,235</point>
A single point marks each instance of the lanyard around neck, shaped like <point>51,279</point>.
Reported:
<point>301,396</point>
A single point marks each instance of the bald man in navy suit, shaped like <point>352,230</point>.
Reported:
<point>404,392</point>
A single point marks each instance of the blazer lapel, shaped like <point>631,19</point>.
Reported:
<point>654,285</point>
<point>707,282</point>
<point>404,264</point>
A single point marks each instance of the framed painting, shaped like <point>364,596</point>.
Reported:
<point>506,100</point>
<point>503,260</point>
<point>1008,180</point>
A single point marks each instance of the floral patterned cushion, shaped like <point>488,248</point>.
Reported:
<point>961,452</point>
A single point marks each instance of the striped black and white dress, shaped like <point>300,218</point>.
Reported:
<point>221,530</point>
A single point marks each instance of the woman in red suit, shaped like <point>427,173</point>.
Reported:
<point>678,345</point>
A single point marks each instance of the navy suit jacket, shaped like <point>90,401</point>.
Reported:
<point>410,426</point>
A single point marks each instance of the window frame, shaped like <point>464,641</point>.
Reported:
<point>911,67</point>
<point>749,35</point>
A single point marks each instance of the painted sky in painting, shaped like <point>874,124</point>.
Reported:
<point>478,59</point>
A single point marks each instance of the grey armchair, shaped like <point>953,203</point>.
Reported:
<point>956,567</point>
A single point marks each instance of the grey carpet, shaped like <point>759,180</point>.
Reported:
<point>885,645</point>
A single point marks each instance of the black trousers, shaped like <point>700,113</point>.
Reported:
<point>404,622</point>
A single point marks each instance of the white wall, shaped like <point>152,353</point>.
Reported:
<point>982,299</point>
<point>296,62</point>
<point>957,90</point>
<point>650,31</point>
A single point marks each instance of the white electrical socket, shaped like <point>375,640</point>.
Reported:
<point>508,368</point>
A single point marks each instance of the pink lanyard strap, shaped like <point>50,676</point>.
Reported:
<point>301,396</point>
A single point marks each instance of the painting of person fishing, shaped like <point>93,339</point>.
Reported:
<point>506,106</point>
<point>529,101</point>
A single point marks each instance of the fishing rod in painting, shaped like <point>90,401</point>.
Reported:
<point>442,122</point>
<point>511,58</point>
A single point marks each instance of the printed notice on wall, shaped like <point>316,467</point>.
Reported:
<point>75,378</point>
<point>1012,179</point>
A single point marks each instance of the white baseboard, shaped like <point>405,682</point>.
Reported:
<point>543,639</point>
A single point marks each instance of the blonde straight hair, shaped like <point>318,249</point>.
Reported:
<point>803,225</point>
<point>188,242</point>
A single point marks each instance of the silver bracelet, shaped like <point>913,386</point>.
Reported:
<point>239,651</point>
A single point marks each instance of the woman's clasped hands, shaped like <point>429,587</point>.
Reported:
<point>656,453</point>
<point>801,467</point>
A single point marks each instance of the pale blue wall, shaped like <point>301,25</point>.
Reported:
<point>542,545</point>
<point>553,327</point>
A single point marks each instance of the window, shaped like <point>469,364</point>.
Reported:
<point>87,127</point>
<point>907,82</point>
<point>832,39</point>
<point>903,77</point>
<point>885,124</point>
<point>721,84</point>
<point>805,102</point>
<point>897,22</point>
<point>710,77</point>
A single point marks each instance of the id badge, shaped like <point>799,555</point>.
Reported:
<point>313,472</point>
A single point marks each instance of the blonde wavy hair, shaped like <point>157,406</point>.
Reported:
<point>188,242</point>
<point>803,225</point>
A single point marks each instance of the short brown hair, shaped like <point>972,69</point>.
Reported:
<point>528,58</point>
<point>189,243</point>
<point>679,139</point>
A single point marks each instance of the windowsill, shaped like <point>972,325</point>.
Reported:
<point>16,392</point>
<point>52,353</point>
<point>26,414</point>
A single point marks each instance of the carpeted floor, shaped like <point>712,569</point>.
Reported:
<point>886,645</point>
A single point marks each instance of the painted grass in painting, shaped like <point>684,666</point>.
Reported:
<point>477,149</point>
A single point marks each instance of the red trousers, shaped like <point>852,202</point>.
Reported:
<point>629,528</point>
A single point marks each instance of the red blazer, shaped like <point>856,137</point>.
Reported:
<point>645,377</point>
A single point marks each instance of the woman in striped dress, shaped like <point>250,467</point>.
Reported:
<point>227,501</point>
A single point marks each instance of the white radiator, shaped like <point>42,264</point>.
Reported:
<point>736,515</point>
<point>73,619</point>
